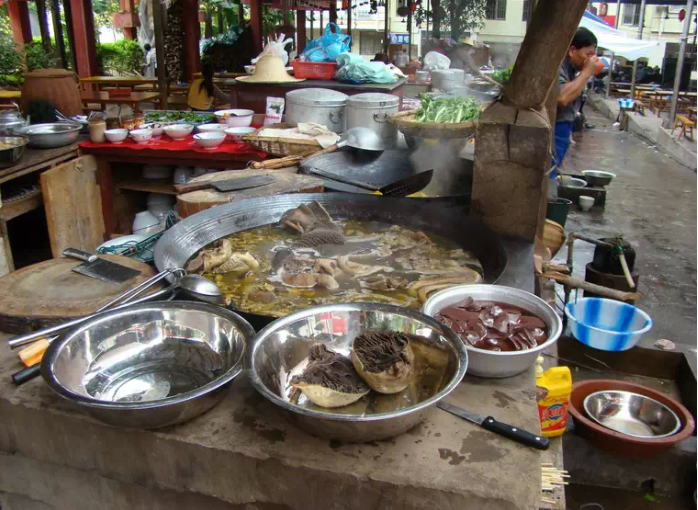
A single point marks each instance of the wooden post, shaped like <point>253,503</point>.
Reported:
<point>349,9</point>
<point>256,25</point>
<point>43,25</point>
<point>85,39</point>
<point>192,34</point>
<point>512,149</point>
<point>19,21</point>
<point>301,36</point>
<point>333,11</point>
<point>679,63</point>
<point>409,31</point>
<point>68,12</point>
<point>58,32</point>
<point>159,14</point>
<point>220,20</point>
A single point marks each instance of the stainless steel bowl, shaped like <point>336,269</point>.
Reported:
<point>51,136</point>
<point>597,177</point>
<point>281,351</point>
<point>150,365</point>
<point>485,363</point>
<point>632,414</point>
<point>12,155</point>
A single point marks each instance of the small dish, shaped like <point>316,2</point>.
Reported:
<point>212,128</point>
<point>179,131</point>
<point>116,136</point>
<point>141,136</point>
<point>209,141</point>
<point>157,128</point>
<point>237,133</point>
<point>586,203</point>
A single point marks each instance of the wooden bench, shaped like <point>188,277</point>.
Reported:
<point>686,125</point>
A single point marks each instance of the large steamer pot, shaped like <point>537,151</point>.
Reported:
<point>447,79</point>
<point>321,106</point>
<point>441,216</point>
<point>371,110</point>
<point>56,86</point>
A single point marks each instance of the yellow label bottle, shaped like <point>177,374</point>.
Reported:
<point>553,390</point>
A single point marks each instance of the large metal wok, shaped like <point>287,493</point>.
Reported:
<point>442,216</point>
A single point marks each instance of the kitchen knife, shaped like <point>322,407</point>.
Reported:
<point>487,422</point>
<point>224,186</point>
<point>101,269</point>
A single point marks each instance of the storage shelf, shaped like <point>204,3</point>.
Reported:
<point>164,186</point>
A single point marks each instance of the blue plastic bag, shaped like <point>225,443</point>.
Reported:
<point>327,48</point>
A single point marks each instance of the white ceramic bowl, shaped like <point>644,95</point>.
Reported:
<point>211,128</point>
<point>145,222</point>
<point>237,133</point>
<point>235,118</point>
<point>157,128</point>
<point>209,141</point>
<point>585,202</point>
<point>116,136</point>
<point>160,199</point>
<point>493,364</point>
<point>606,324</point>
<point>141,136</point>
<point>182,174</point>
<point>179,131</point>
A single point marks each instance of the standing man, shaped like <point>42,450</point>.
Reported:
<point>150,61</point>
<point>579,65</point>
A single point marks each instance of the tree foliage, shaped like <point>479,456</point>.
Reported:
<point>453,16</point>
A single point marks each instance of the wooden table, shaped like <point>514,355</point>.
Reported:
<point>10,95</point>
<point>123,188</point>
<point>254,95</point>
<point>134,99</point>
<point>98,82</point>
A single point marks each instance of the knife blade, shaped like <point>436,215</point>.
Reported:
<point>487,422</point>
<point>99,268</point>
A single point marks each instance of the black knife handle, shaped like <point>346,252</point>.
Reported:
<point>26,374</point>
<point>516,434</point>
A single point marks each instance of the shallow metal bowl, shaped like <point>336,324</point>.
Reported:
<point>150,365</point>
<point>484,363</point>
<point>12,155</point>
<point>281,351</point>
<point>597,177</point>
<point>51,136</point>
<point>632,414</point>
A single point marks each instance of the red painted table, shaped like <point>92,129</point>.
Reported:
<point>123,189</point>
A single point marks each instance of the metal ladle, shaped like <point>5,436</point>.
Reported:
<point>192,285</point>
<point>360,138</point>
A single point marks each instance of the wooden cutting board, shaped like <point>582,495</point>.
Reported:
<point>49,292</point>
<point>196,201</point>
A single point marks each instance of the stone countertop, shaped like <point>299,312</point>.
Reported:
<point>244,454</point>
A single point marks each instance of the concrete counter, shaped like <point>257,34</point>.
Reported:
<point>244,454</point>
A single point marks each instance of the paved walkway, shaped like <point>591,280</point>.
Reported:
<point>652,203</point>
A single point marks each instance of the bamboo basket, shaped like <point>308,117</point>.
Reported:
<point>281,147</point>
<point>553,236</point>
<point>404,121</point>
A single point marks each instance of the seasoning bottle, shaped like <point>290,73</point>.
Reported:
<point>97,126</point>
<point>127,122</point>
<point>553,390</point>
<point>138,120</point>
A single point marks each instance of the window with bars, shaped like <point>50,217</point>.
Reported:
<point>496,9</point>
<point>524,16</point>
<point>631,15</point>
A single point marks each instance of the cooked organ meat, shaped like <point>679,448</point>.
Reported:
<point>384,359</point>
<point>494,326</point>
<point>329,379</point>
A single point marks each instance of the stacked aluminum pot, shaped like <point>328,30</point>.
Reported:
<point>371,110</point>
<point>321,106</point>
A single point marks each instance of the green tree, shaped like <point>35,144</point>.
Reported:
<point>5,28</point>
<point>103,11</point>
<point>454,16</point>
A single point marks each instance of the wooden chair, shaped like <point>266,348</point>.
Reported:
<point>687,125</point>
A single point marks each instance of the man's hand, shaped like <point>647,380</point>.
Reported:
<point>590,66</point>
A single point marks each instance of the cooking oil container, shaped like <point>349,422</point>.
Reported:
<point>371,110</point>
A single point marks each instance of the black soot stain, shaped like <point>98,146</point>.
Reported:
<point>503,399</point>
<point>453,458</point>
<point>479,446</point>
<point>270,434</point>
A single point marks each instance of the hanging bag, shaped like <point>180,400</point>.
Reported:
<point>327,47</point>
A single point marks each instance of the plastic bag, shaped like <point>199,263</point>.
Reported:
<point>355,69</point>
<point>328,47</point>
<point>435,60</point>
<point>276,48</point>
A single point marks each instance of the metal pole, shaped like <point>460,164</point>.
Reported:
<point>610,74</point>
<point>386,28</point>
<point>618,4</point>
<point>409,31</point>
<point>639,36</point>
<point>679,63</point>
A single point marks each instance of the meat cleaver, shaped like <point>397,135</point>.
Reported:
<point>101,269</point>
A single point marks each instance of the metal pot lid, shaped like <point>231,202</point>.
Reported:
<point>373,100</point>
<point>317,97</point>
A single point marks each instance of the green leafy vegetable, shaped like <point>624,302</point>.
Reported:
<point>448,110</point>
<point>185,117</point>
<point>502,76</point>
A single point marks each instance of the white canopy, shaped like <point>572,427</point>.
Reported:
<point>615,40</point>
